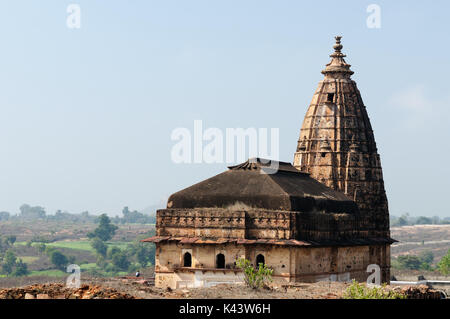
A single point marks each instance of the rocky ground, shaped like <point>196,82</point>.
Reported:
<point>131,288</point>
<point>59,291</point>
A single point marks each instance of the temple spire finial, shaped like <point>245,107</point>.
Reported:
<point>338,46</point>
<point>337,67</point>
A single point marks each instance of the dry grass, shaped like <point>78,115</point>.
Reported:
<point>419,238</point>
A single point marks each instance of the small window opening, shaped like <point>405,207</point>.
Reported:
<point>187,262</point>
<point>260,260</point>
<point>220,261</point>
<point>330,97</point>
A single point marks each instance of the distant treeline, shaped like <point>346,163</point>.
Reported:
<point>406,220</point>
<point>422,261</point>
<point>31,213</point>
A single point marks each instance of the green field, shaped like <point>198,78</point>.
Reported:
<point>89,266</point>
<point>79,244</point>
<point>50,273</point>
<point>83,245</point>
<point>28,259</point>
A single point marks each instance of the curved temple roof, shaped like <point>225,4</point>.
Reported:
<point>337,143</point>
<point>250,184</point>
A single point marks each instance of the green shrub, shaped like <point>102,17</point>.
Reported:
<point>255,278</point>
<point>120,260</point>
<point>361,291</point>
<point>444,264</point>
<point>21,269</point>
<point>59,259</point>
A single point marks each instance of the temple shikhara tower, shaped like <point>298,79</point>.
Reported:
<point>337,145</point>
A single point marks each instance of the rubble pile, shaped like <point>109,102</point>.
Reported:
<point>419,292</point>
<point>59,291</point>
<point>121,288</point>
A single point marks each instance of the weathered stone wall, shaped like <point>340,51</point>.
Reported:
<point>169,256</point>
<point>320,226</point>
<point>260,224</point>
<point>214,223</point>
<point>197,278</point>
<point>271,224</point>
<point>290,264</point>
<point>340,263</point>
<point>169,270</point>
<point>280,259</point>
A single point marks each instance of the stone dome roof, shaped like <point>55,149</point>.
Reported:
<point>255,185</point>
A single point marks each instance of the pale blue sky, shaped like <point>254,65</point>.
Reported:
<point>86,115</point>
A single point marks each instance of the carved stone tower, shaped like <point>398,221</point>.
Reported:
<point>337,145</point>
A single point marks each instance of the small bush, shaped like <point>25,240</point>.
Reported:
<point>59,259</point>
<point>255,278</point>
<point>444,264</point>
<point>21,269</point>
<point>361,291</point>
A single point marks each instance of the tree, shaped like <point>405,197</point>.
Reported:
<point>11,239</point>
<point>9,262</point>
<point>101,262</point>
<point>21,269</point>
<point>99,246</point>
<point>112,251</point>
<point>444,264</point>
<point>422,220</point>
<point>409,262</point>
<point>401,221</point>
<point>426,256</point>
<point>58,259</point>
<point>144,254</point>
<point>6,242</point>
<point>423,261</point>
<point>120,260</point>
<point>105,230</point>
<point>28,212</point>
<point>426,266</point>
<point>13,266</point>
<point>135,217</point>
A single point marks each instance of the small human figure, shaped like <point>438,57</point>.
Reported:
<point>138,273</point>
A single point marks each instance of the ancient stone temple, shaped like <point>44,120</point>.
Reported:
<point>302,229</point>
<point>323,218</point>
<point>337,145</point>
